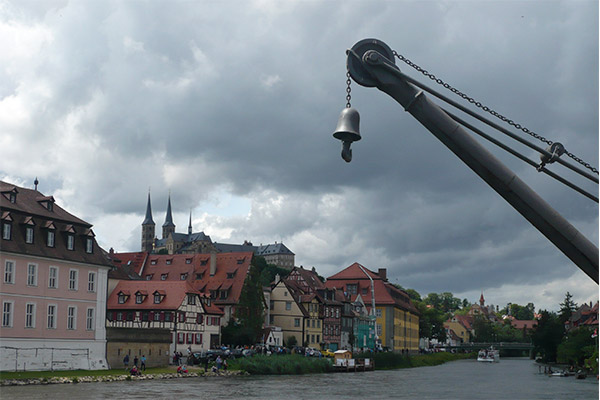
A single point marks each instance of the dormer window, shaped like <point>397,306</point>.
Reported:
<point>188,260</point>
<point>157,298</point>
<point>169,261</point>
<point>89,245</point>
<point>153,262</point>
<point>6,230</point>
<point>29,234</point>
<point>47,202</point>
<point>122,298</point>
<point>12,197</point>
<point>70,242</point>
<point>149,277</point>
<point>140,297</point>
<point>163,277</point>
<point>203,262</point>
<point>183,277</point>
<point>230,275</point>
<point>200,275</point>
<point>50,238</point>
<point>223,294</point>
<point>241,260</point>
<point>191,299</point>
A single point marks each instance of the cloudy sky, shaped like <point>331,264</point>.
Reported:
<point>230,107</point>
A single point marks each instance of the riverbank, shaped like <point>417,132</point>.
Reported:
<point>256,365</point>
<point>82,376</point>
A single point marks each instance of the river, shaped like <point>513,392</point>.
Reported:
<point>465,379</point>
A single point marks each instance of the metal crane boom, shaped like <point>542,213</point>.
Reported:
<point>371,64</point>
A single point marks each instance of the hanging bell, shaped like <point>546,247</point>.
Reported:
<point>348,131</point>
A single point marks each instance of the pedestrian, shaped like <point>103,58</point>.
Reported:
<point>219,361</point>
<point>126,361</point>
<point>143,360</point>
<point>205,363</point>
<point>135,361</point>
<point>225,365</point>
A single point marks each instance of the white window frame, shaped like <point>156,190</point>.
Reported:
<point>32,279</point>
<point>90,318</point>
<point>73,281</point>
<point>51,239</point>
<point>30,315</point>
<point>51,316</point>
<point>9,273</point>
<point>53,279</point>
<point>70,242</point>
<point>91,281</point>
<point>72,318</point>
<point>8,308</point>
<point>89,246</point>
<point>29,235</point>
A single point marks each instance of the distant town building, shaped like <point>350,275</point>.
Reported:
<point>189,243</point>
<point>53,288</point>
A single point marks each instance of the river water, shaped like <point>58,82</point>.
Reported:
<point>465,379</point>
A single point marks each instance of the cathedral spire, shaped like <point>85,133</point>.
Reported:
<point>190,225</point>
<point>148,220</point>
<point>168,226</point>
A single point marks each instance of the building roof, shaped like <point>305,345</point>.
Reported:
<point>148,220</point>
<point>230,274</point>
<point>385,293</point>
<point>32,209</point>
<point>174,294</point>
<point>169,217</point>
<point>268,249</point>
<point>523,324</point>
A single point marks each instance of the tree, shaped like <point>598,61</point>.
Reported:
<point>567,308</point>
<point>291,341</point>
<point>249,311</point>
<point>431,322</point>
<point>547,335</point>
<point>577,345</point>
<point>484,331</point>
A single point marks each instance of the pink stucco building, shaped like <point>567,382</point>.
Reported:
<point>53,286</point>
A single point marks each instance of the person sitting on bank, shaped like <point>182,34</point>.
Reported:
<point>182,369</point>
<point>135,371</point>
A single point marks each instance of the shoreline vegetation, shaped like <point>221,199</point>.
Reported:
<point>256,365</point>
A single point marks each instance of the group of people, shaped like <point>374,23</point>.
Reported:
<point>135,370</point>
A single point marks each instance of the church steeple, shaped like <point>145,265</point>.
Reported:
<point>190,225</point>
<point>481,300</point>
<point>168,226</point>
<point>148,228</point>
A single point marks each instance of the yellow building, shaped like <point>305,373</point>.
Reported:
<point>397,319</point>
<point>288,313</point>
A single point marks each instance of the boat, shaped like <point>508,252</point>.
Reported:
<point>488,355</point>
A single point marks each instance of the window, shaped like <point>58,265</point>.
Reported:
<point>191,299</point>
<point>30,315</point>
<point>153,262</point>
<point>157,298</point>
<point>230,275</point>
<point>29,234</point>
<point>53,277</point>
<point>7,314</point>
<point>198,338</point>
<point>288,305</point>
<point>183,277</point>
<point>120,316</point>
<point>379,329</point>
<point>32,275</point>
<point>180,338</point>
<point>89,320</point>
<point>378,312</point>
<point>337,312</point>
<point>200,275</point>
<point>352,288</point>
<point>6,230</point>
<point>168,262</point>
<point>318,323</point>
<point>50,239</point>
<point>139,298</point>
<point>91,282</point>
<point>149,277</point>
<point>188,260</point>
<point>89,245</point>
<point>71,318</point>
<point>70,242</point>
<point>51,316</point>
<point>296,322</point>
<point>223,294</point>
<point>9,272</point>
<point>199,318</point>
<point>163,277</point>
<point>190,338</point>
<point>168,317</point>
<point>364,290</point>
<point>73,274</point>
<point>121,298</point>
<point>157,316</point>
<point>182,317</point>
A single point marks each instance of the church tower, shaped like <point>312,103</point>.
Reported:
<point>148,228</point>
<point>190,225</point>
<point>168,227</point>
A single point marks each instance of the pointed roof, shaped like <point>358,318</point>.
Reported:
<point>148,220</point>
<point>169,217</point>
<point>190,224</point>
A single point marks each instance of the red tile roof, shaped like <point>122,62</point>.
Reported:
<point>523,324</point>
<point>175,293</point>
<point>231,271</point>
<point>385,293</point>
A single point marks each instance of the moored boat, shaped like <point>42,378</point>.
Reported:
<point>488,355</point>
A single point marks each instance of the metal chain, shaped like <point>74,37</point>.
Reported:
<point>489,110</point>
<point>348,89</point>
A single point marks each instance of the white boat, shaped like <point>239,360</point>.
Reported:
<point>488,355</point>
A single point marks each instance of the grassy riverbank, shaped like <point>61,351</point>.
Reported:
<point>82,373</point>
<point>283,365</point>
<point>396,361</point>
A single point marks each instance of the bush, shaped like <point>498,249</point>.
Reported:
<point>282,365</point>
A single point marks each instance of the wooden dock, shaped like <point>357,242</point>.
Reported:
<point>352,365</point>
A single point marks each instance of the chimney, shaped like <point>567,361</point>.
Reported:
<point>277,278</point>
<point>383,273</point>
<point>213,263</point>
